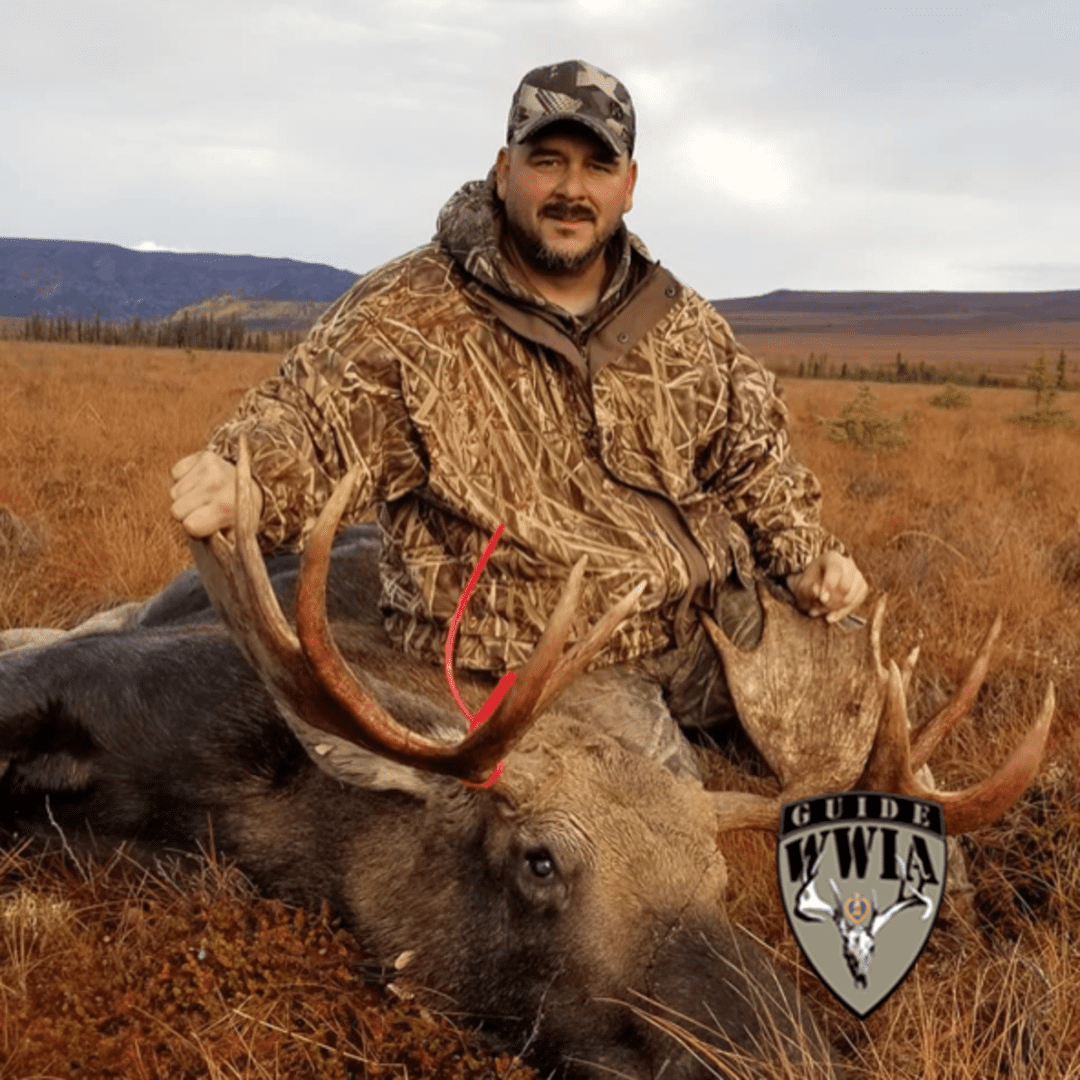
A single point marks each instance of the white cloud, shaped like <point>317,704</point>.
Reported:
<point>604,10</point>
<point>234,162</point>
<point>658,91</point>
<point>747,168</point>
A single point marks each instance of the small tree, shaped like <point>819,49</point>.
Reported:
<point>1038,379</point>
<point>1044,414</point>
<point>860,424</point>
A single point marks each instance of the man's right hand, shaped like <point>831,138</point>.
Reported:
<point>204,495</point>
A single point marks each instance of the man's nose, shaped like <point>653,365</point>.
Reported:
<point>572,182</point>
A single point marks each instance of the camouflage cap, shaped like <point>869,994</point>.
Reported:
<point>577,91</point>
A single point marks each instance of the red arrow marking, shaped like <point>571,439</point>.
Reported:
<point>505,682</point>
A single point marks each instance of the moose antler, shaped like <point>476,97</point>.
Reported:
<point>310,679</point>
<point>809,695</point>
<point>828,715</point>
<point>890,766</point>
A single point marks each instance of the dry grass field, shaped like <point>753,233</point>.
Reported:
<point>86,443</point>
<point>1003,353</point>
<point>111,972</point>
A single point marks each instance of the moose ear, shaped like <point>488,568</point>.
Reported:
<point>351,764</point>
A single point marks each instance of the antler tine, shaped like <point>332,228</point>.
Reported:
<point>574,662</point>
<point>235,577</point>
<point>744,810</point>
<point>985,802</point>
<point>889,767</point>
<point>877,621</point>
<point>236,581</point>
<point>907,668</point>
<point>548,671</point>
<point>930,733</point>
<point>522,705</point>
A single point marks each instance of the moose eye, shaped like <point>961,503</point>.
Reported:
<point>541,863</point>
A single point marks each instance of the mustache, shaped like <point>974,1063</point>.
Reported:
<point>561,210</point>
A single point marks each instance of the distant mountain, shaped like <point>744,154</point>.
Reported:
<point>80,278</point>
<point>789,309</point>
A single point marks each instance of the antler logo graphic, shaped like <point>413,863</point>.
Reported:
<point>835,838</point>
<point>857,940</point>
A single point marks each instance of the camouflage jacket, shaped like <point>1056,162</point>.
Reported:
<point>642,436</point>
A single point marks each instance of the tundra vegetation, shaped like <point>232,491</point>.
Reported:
<point>1044,411</point>
<point>861,424</point>
<point>950,397</point>
<point>215,324</point>
<point>110,970</point>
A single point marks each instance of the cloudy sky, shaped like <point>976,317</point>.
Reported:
<point>807,144</point>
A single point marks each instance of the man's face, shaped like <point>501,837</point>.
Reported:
<point>565,194</point>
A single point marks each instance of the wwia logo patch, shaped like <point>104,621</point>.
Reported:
<point>862,875</point>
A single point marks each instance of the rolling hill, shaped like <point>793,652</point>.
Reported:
<point>85,279</point>
<point>897,312</point>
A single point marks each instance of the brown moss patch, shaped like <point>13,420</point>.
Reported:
<point>111,971</point>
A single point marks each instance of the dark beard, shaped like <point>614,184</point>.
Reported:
<point>538,256</point>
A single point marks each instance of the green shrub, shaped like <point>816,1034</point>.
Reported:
<point>951,397</point>
<point>860,424</point>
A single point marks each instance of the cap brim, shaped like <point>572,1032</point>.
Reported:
<point>595,126</point>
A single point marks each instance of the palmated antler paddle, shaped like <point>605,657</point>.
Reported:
<point>310,679</point>
<point>789,691</point>
<point>827,715</point>
<point>809,695</point>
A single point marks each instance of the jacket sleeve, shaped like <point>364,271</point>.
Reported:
<point>750,466</point>
<point>335,402</point>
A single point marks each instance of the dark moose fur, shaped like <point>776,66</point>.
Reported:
<point>164,737</point>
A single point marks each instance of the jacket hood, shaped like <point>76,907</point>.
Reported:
<point>470,227</point>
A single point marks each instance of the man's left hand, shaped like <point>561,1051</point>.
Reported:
<point>831,585</point>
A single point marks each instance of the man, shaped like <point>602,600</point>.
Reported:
<point>534,366</point>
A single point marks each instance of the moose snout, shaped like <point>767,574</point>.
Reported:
<point>711,987</point>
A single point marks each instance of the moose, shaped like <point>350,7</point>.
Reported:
<point>573,906</point>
